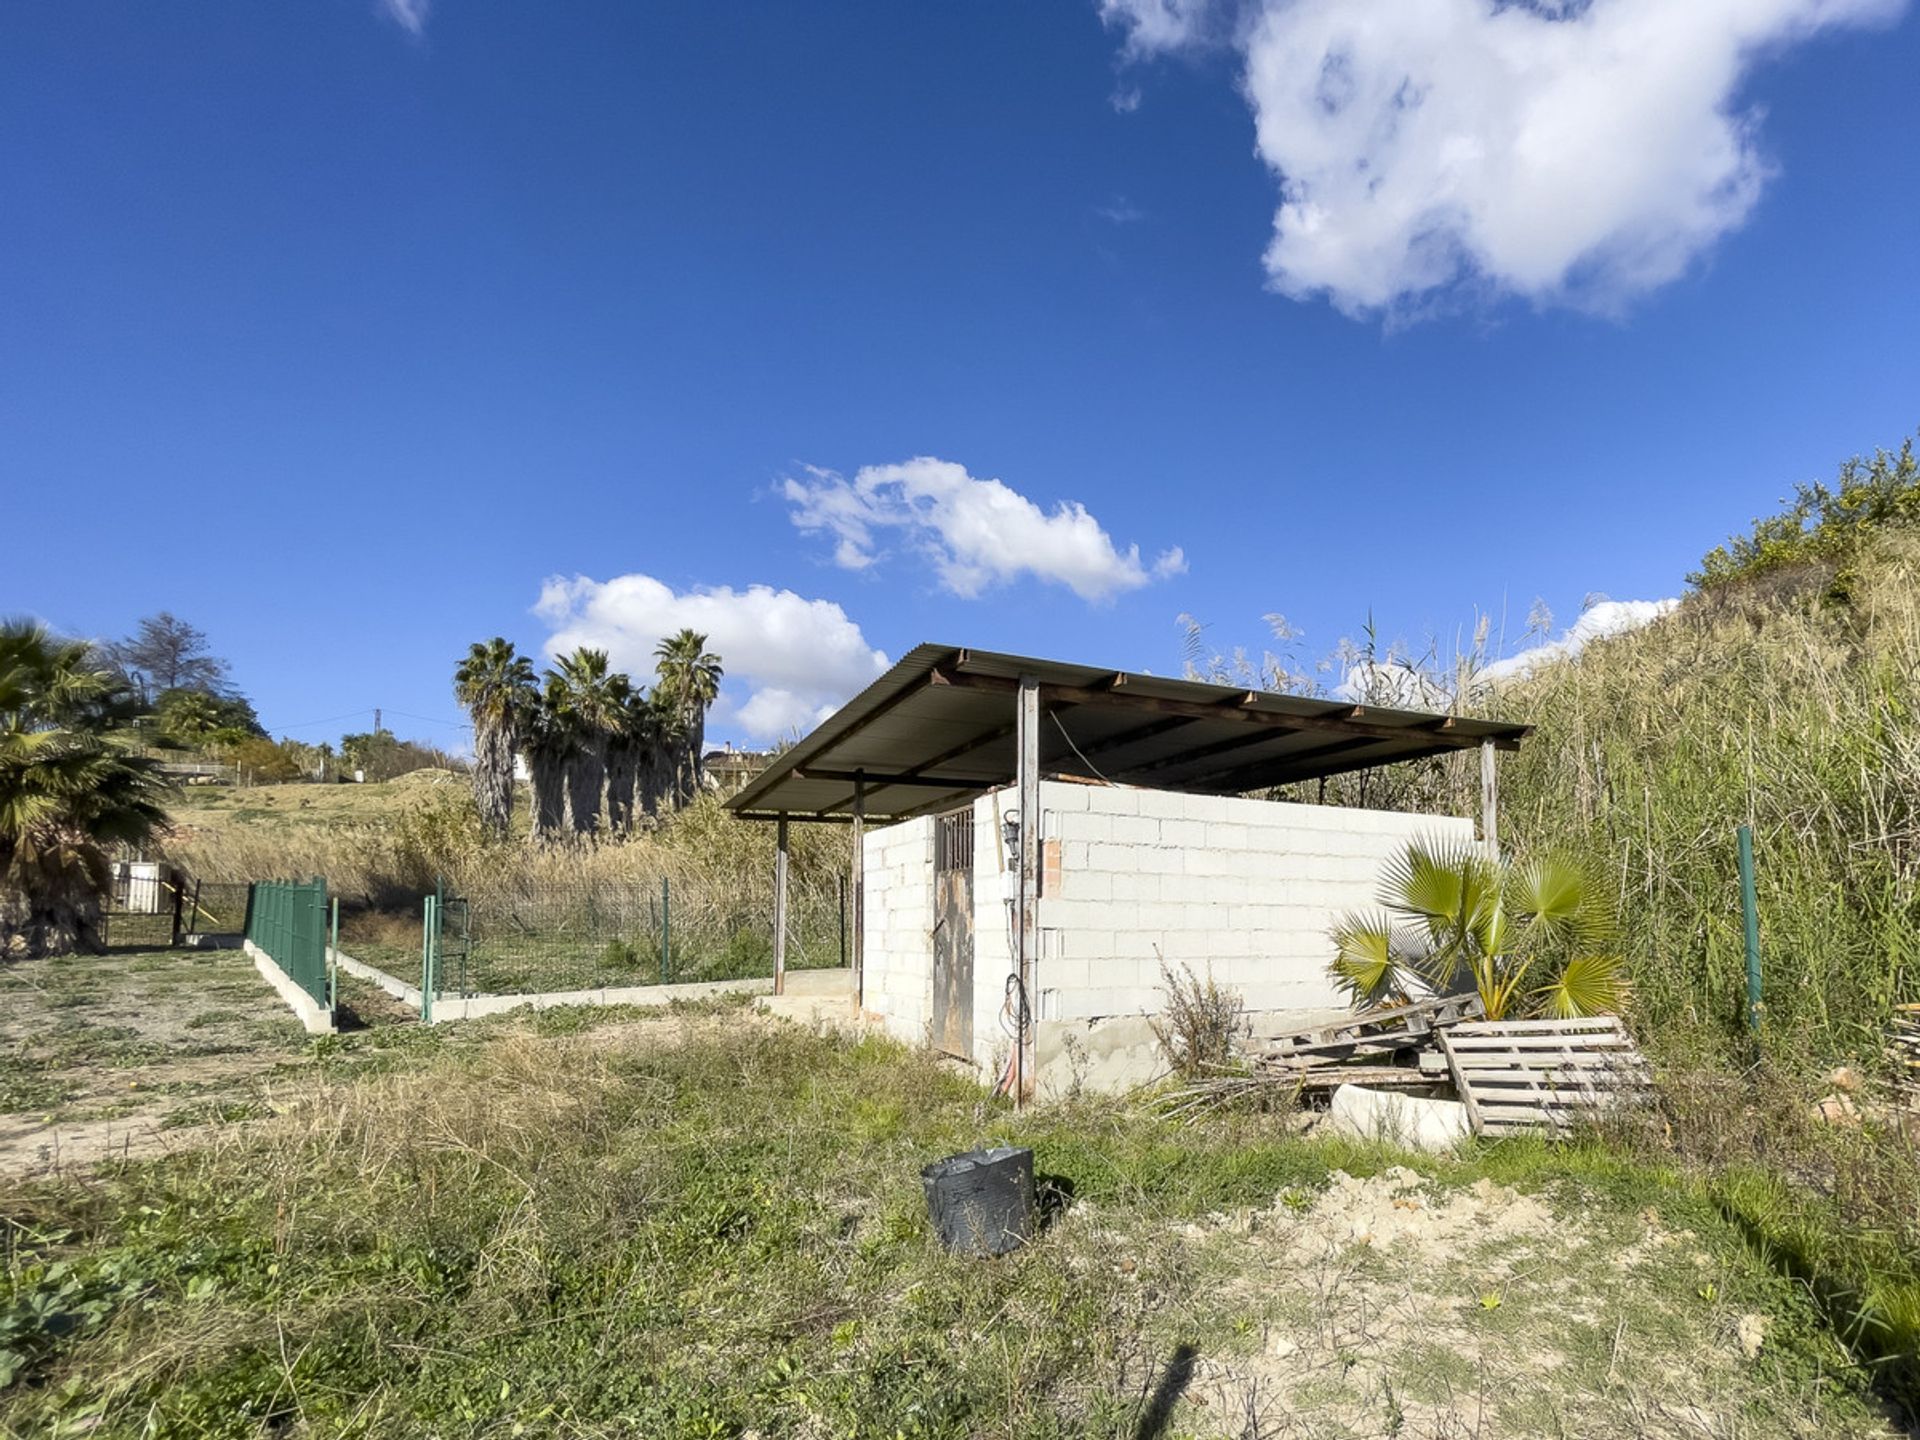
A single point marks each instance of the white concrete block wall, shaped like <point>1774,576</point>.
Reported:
<point>899,926</point>
<point>1245,888</point>
<point>993,959</point>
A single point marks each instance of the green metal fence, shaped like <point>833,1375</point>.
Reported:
<point>288,920</point>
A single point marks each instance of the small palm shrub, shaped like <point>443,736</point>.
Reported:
<point>1533,937</point>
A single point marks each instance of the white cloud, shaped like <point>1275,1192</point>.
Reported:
<point>1125,101</point>
<point>976,532</point>
<point>1393,684</point>
<point>1564,151</point>
<point>409,15</point>
<point>1156,26</point>
<point>1120,211</point>
<point>1608,617</point>
<point>790,662</point>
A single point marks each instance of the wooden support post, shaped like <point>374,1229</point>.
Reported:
<point>1489,801</point>
<point>780,908</point>
<point>860,891</point>
<point>1026,931</point>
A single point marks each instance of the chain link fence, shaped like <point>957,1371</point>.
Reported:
<point>522,938</point>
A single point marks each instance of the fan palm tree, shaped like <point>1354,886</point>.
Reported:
<point>631,753</point>
<point>596,696</point>
<point>1532,937</point>
<point>495,684</point>
<point>548,741</point>
<point>68,790</point>
<point>690,682</point>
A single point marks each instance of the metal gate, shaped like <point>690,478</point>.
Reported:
<point>953,932</point>
<point>446,945</point>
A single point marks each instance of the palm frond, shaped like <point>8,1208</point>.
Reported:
<point>1590,983</point>
<point>1364,964</point>
<point>1434,880</point>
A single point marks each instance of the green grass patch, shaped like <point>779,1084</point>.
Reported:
<point>710,1226</point>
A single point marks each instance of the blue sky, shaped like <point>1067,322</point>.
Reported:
<point>356,331</point>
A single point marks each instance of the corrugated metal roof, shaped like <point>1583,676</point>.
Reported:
<point>939,727</point>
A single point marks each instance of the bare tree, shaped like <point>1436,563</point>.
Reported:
<point>169,654</point>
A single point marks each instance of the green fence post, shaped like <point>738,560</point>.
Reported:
<point>333,958</point>
<point>1750,906</point>
<point>666,929</point>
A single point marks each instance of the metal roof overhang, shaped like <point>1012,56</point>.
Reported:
<point>938,728</point>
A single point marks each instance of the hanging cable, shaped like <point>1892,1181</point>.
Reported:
<point>1055,716</point>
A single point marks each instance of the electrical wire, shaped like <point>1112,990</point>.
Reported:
<point>429,720</point>
<point>330,720</point>
<point>1075,748</point>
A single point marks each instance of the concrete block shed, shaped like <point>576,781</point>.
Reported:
<point>1147,850</point>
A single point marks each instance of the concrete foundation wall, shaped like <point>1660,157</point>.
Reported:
<point>1245,890</point>
<point>315,1017</point>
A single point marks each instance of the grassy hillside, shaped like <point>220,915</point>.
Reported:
<point>203,812</point>
<point>1786,702</point>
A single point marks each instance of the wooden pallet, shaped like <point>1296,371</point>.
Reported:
<point>1335,1074</point>
<point>1518,1076</point>
<point>1371,1033</point>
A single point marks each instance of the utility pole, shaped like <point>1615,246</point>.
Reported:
<point>376,719</point>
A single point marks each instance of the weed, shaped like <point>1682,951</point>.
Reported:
<point>1197,1028</point>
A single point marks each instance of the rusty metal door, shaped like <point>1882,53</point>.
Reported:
<point>953,932</point>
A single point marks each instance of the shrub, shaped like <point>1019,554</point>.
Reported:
<point>1532,937</point>
<point>1196,1030</point>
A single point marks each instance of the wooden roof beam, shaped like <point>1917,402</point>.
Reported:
<point>1251,777</point>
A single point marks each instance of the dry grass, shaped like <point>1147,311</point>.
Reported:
<point>698,1226</point>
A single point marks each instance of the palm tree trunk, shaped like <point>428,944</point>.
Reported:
<point>696,752</point>
<point>586,773</point>
<point>686,768</point>
<point>52,908</point>
<point>622,761</point>
<point>549,796</point>
<point>656,777</point>
<point>493,780</point>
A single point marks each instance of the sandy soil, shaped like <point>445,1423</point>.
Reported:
<point>1388,1306</point>
<point>128,1054</point>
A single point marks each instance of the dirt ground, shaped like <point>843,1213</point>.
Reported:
<point>1395,1306</point>
<point>131,1052</point>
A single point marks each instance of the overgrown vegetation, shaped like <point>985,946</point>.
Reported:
<point>70,789</point>
<point>1199,1023</point>
<point>1823,525</point>
<point>544,917</point>
<point>700,1227</point>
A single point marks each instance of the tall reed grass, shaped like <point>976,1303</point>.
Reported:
<point>1789,709</point>
<point>1788,704</point>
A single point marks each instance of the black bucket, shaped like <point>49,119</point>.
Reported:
<point>981,1203</point>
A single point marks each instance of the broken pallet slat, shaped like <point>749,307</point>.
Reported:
<point>1528,1075</point>
<point>1593,1044</point>
<point>1386,1028</point>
